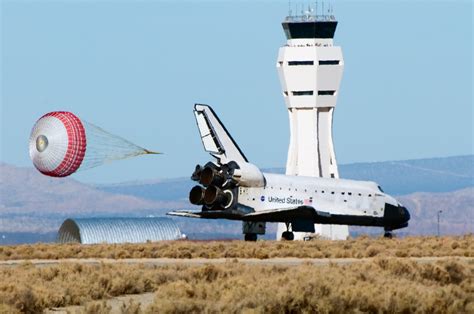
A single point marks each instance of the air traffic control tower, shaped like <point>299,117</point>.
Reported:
<point>310,69</point>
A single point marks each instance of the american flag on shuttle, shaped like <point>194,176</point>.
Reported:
<point>308,201</point>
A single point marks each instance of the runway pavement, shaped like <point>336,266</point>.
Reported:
<point>290,261</point>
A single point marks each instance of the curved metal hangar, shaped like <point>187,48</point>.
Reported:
<point>117,230</point>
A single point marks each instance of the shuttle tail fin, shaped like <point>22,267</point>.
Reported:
<point>215,138</point>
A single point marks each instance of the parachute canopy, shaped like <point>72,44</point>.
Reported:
<point>61,144</point>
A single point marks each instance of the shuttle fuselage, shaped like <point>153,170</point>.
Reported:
<point>233,188</point>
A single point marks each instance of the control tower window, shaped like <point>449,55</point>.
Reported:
<point>291,63</point>
<point>328,62</point>
<point>326,92</point>
<point>303,93</point>
<point>309,29</point>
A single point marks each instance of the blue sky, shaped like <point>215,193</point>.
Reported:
<point>136,68</point>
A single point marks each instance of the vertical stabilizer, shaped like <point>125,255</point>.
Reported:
<point>215,137</point>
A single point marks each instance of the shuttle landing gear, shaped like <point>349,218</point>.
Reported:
<point>251,229</point>
<point>250,237</point>
<point>388,234</point>
<point>288,235</point>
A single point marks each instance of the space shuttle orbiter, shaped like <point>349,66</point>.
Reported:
<point>230,187</point>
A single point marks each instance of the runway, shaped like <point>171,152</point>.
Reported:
<point>203,261</point>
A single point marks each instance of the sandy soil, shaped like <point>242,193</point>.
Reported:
<point>115,304</point>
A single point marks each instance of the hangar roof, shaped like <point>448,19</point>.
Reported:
<point>117,230</point>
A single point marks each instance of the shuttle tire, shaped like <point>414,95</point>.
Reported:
<point>288,236</point>
<point>250,237</point>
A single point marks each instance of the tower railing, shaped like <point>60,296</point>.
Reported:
<point>310,18</point>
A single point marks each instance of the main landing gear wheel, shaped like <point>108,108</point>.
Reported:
<point>388,235</point>
<point>251,237</point>
<point>288,236</point>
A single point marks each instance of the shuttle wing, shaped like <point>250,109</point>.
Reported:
<point>271,215</point>
<point>211,214</point>
<point>290,214</point>
<point>215,137</point>
<point>282,214</point>
<point>184,213</point>
<point>302,218</point>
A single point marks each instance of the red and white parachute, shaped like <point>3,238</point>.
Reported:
<point>61,144</point>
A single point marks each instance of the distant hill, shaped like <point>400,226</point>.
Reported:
<point>164,190</point>
<point>31,202</point>
<point>457,215</point>
<point>419,175</point>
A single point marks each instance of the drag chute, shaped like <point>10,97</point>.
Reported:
<point>61,144</point>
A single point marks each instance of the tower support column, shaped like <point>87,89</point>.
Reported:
<point>310,69</point>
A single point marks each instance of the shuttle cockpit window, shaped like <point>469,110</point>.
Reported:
<point>380,189</point>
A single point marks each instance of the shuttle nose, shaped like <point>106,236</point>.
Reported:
<point>396,216</point>
<point>405,213</point>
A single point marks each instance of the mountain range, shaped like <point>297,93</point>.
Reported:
<point>33,203</point>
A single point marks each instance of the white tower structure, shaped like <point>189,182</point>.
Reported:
<point>310,69</point>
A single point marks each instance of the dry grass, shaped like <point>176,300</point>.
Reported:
<point>31,289</point>
<point>380,285</point>
<point>355,248</point>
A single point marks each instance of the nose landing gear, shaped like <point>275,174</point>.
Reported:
<point>250,237</point>
<point>388,234</point>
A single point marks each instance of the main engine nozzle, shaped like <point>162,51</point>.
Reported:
<point>196,195</point>
<point>197,173</point>
<point>211,176</point>
<point>215,196</point>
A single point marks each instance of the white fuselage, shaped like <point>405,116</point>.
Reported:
<point>339,196</point>
<point>232,188</point>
